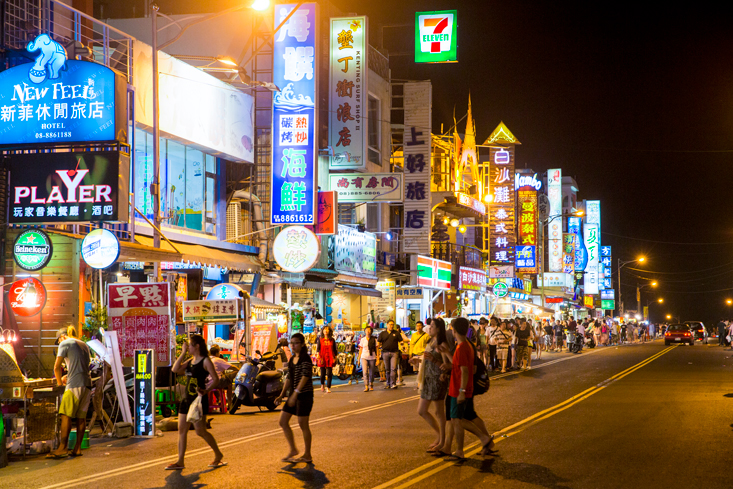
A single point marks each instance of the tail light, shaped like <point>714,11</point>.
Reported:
<point>687,334</point>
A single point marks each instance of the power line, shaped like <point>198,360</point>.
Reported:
<point>667,242</point>
<point>681,273</point>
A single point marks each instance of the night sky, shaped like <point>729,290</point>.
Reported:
<point>635,100</point>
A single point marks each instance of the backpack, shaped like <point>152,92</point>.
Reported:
<point>481,380</point>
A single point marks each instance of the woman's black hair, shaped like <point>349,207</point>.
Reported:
<point>330,331</point>
<point>440,336</point>
<point>198,340</point>
<point>301,338</point>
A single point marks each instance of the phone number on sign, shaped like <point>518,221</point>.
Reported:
<point>52,135</point>
<point>290,218</point>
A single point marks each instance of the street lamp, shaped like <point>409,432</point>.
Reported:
<point>638,293</point>
<point>660,300</point>
<point>729,302</point>
<point>622,264</point>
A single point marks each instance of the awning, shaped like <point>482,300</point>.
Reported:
<point>361,291</point>
<point>133,251</point>
<point>205,255</point>
<point>315,285</point>
<point>261,303</point>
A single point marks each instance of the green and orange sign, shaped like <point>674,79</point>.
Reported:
<point>436,36</point>
<point>433,273</point>
<point>32,249</point>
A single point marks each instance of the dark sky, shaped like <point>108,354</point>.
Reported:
<point>633,100</point>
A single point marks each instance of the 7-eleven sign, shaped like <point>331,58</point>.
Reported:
<point>433,273</point>
<point>436,38</point>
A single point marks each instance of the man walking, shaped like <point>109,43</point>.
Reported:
<point>418,341</point>
<point>460,395</point>
<point>78,393</point>
<point>390,341</point>
<point>721,333</point>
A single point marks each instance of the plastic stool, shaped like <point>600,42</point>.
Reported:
<point>218,401</point>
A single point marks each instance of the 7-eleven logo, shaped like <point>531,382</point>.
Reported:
<point>435,32</point>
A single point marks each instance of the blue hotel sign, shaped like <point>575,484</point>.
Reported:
<point>56,100</point>
<point>294,117</point>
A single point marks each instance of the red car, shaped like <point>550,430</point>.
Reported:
<point>678,333</point>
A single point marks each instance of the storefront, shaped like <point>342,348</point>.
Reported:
<point>471,285</point>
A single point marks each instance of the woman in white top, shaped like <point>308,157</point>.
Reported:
<point>368,358</point>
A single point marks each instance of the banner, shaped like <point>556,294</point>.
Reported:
<point>418,99</point>
<point>69,187</point>
<point>554,240</point>
<point>211,310</point>
<point>581,254</point>
<point>348,69</point>
<point>471,279</point>
<point>368,187</point>
<point>355,252</point>
<point>592,244</point>
<point>294,117</point>
<point>568,253</point>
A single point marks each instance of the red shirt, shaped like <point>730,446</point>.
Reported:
<point>463,357</point>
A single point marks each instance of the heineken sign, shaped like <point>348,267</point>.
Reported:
<point>32,249</point>
<point>500,289</point>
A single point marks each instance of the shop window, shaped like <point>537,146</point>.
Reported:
<point>347,214</point>
<point>175,191</point>
<point>373,125</point>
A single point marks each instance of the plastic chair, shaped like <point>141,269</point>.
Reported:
<point>218,401</point>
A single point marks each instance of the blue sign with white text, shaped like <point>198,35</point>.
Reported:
<point>524,257</point>
<point>606,251</point>
<point>581,253</point>
<point>56,100</point>
<point>293,178</point>
<point>606,283</point>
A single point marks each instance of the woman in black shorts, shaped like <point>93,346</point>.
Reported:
<point>300,400</point>
<point>196,369</point>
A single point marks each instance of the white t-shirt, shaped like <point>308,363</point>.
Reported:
<point>364,345</point>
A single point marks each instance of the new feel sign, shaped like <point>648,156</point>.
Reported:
<point>69,187</point>
<point>56,100</point>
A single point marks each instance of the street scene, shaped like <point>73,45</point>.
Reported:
<point>332,243</point>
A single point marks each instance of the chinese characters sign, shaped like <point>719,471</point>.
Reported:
<point>355,252</point>
<point>294,117</point>
<point>210,310</point>
<point>144,393</point>
<point>417,167</point>
<point>471,279</point>
<point>327,213</point>
<point>470,202</point>
<point>141,315</point>
<point>526,260</point>
<point>554,240</point>
<point>57,100</point>
<point>568,253</point>
<point>581,254</point>
<point>408,293</point>
<point>369,187</point>
<point>296,249</point>
<point>436,36</point>
<point>347,92</point>
<point>433,273</point>
<point>592,244</point>
<point>69,187</point>
<point>501,220</point>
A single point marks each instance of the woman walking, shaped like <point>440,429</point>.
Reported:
<point>483,350</point>
<point>537,341</point>
<point>300,399</point>
<point>524,336</point>
<point>491,334</point>
<point>434,382</point>
<point>196,369</point>
<point>503,339</point>
<point>327,355</point>
<point>368,358</point>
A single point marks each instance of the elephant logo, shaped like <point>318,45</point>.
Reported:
<point>49,62</point>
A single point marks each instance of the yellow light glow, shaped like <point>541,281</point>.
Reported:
<point>488,198</point>
<point>654,284</point>
<point>260,5</point>
<point>446,221</point>
<point>729,301</point>
<point>579,213</point>
<point>641,259</point>
<point>669,316</point>
<point>660,300</point>
<point>226,60</point>
<point>454,223</point>
<point>462,229</point>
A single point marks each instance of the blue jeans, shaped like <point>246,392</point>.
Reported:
<point>390,366</point>
<point>368,368</point>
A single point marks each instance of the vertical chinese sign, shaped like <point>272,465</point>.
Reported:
<point>141,315</point>
<point>568,253</point>
<point>592,238</point>
<point>294,117</point>
<point>606,263</point>
<point>526,252</point>
<point>554,239</point>
<point>502,208</point>
<point>581,255</point>
<point>348,70</point>
<point>418,98</point>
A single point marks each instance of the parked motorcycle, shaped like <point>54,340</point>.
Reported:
<point>590,341</point>
<point>257,383</point>
<point>575,342</point>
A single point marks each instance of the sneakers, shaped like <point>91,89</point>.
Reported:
<point>371,387</point>
<point>394,386</point>
<point>366,389</point>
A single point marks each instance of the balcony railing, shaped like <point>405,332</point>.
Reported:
<point>465,256</point>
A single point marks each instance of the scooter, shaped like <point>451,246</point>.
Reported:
<point>575,342</point>
<point>257,383</point>
<point>590,341</point>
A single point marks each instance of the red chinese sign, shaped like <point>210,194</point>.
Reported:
<point>327,213</point>
<point>471,279</point>
<point>27,297</point>
<point>527,226</point>
<point>141,315</point>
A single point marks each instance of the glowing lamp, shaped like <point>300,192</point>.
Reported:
<point>454,223</point>
<point>260,5</point>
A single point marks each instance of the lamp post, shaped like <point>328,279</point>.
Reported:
<point>638,294</point>
<point>622,264</point>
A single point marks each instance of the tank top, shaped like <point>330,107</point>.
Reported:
<point>196,374</point>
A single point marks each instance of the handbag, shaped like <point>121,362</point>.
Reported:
<point>195,411</point>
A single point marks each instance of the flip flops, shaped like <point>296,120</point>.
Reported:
<point>303,460</point>
<point>174,466</point>
<point>56,456</point>
<point>218,464</point>
<point>455,458</point>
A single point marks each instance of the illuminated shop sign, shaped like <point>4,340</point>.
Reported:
<point>100,248</point>
<point>436,36</point>
<point>32,249</point>
<point>526,181</point>
<point>470,202</point>
<point>554,194</point>
<point>56,100</point>
<point>27,297</point>
<point>296,249</point>
<point>69,187</point>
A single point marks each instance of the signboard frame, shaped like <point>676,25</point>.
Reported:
<point>448,56</point>
<point>144,389</point>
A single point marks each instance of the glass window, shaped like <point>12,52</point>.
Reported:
<point>373,129</point>
<point>347,214</point>
<point>143,172</point>
<point>175,193</point>
<point>194,189</point>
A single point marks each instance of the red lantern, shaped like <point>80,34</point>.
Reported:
<point>27,297</point>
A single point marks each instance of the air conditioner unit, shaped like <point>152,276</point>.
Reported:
<point>235,221</point>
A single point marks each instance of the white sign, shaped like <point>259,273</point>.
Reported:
<point>418,98</point>
<point>555,280</point>
<point>296,249</point>
<point>194,106</point>
<point>347,133</point>
<point>367,187</point>
<point>593,212</point>
<point>100,248</point>
<point>501,271</point>
<point>554,241</point>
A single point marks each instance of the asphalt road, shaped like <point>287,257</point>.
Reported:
<point>634,416</point>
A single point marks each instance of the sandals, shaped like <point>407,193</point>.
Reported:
<point>174,466</point>
<point>218,464</point>
<point>440,453</point>
<point>303,460</point>
<point>56,456</point>
<point>455,458</point>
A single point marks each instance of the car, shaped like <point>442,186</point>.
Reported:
<point>699,333</point>
<point>678,333</point>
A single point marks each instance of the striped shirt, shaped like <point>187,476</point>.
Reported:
<point>304,368</point>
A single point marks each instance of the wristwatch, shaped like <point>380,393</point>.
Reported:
<point>461,390</point>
